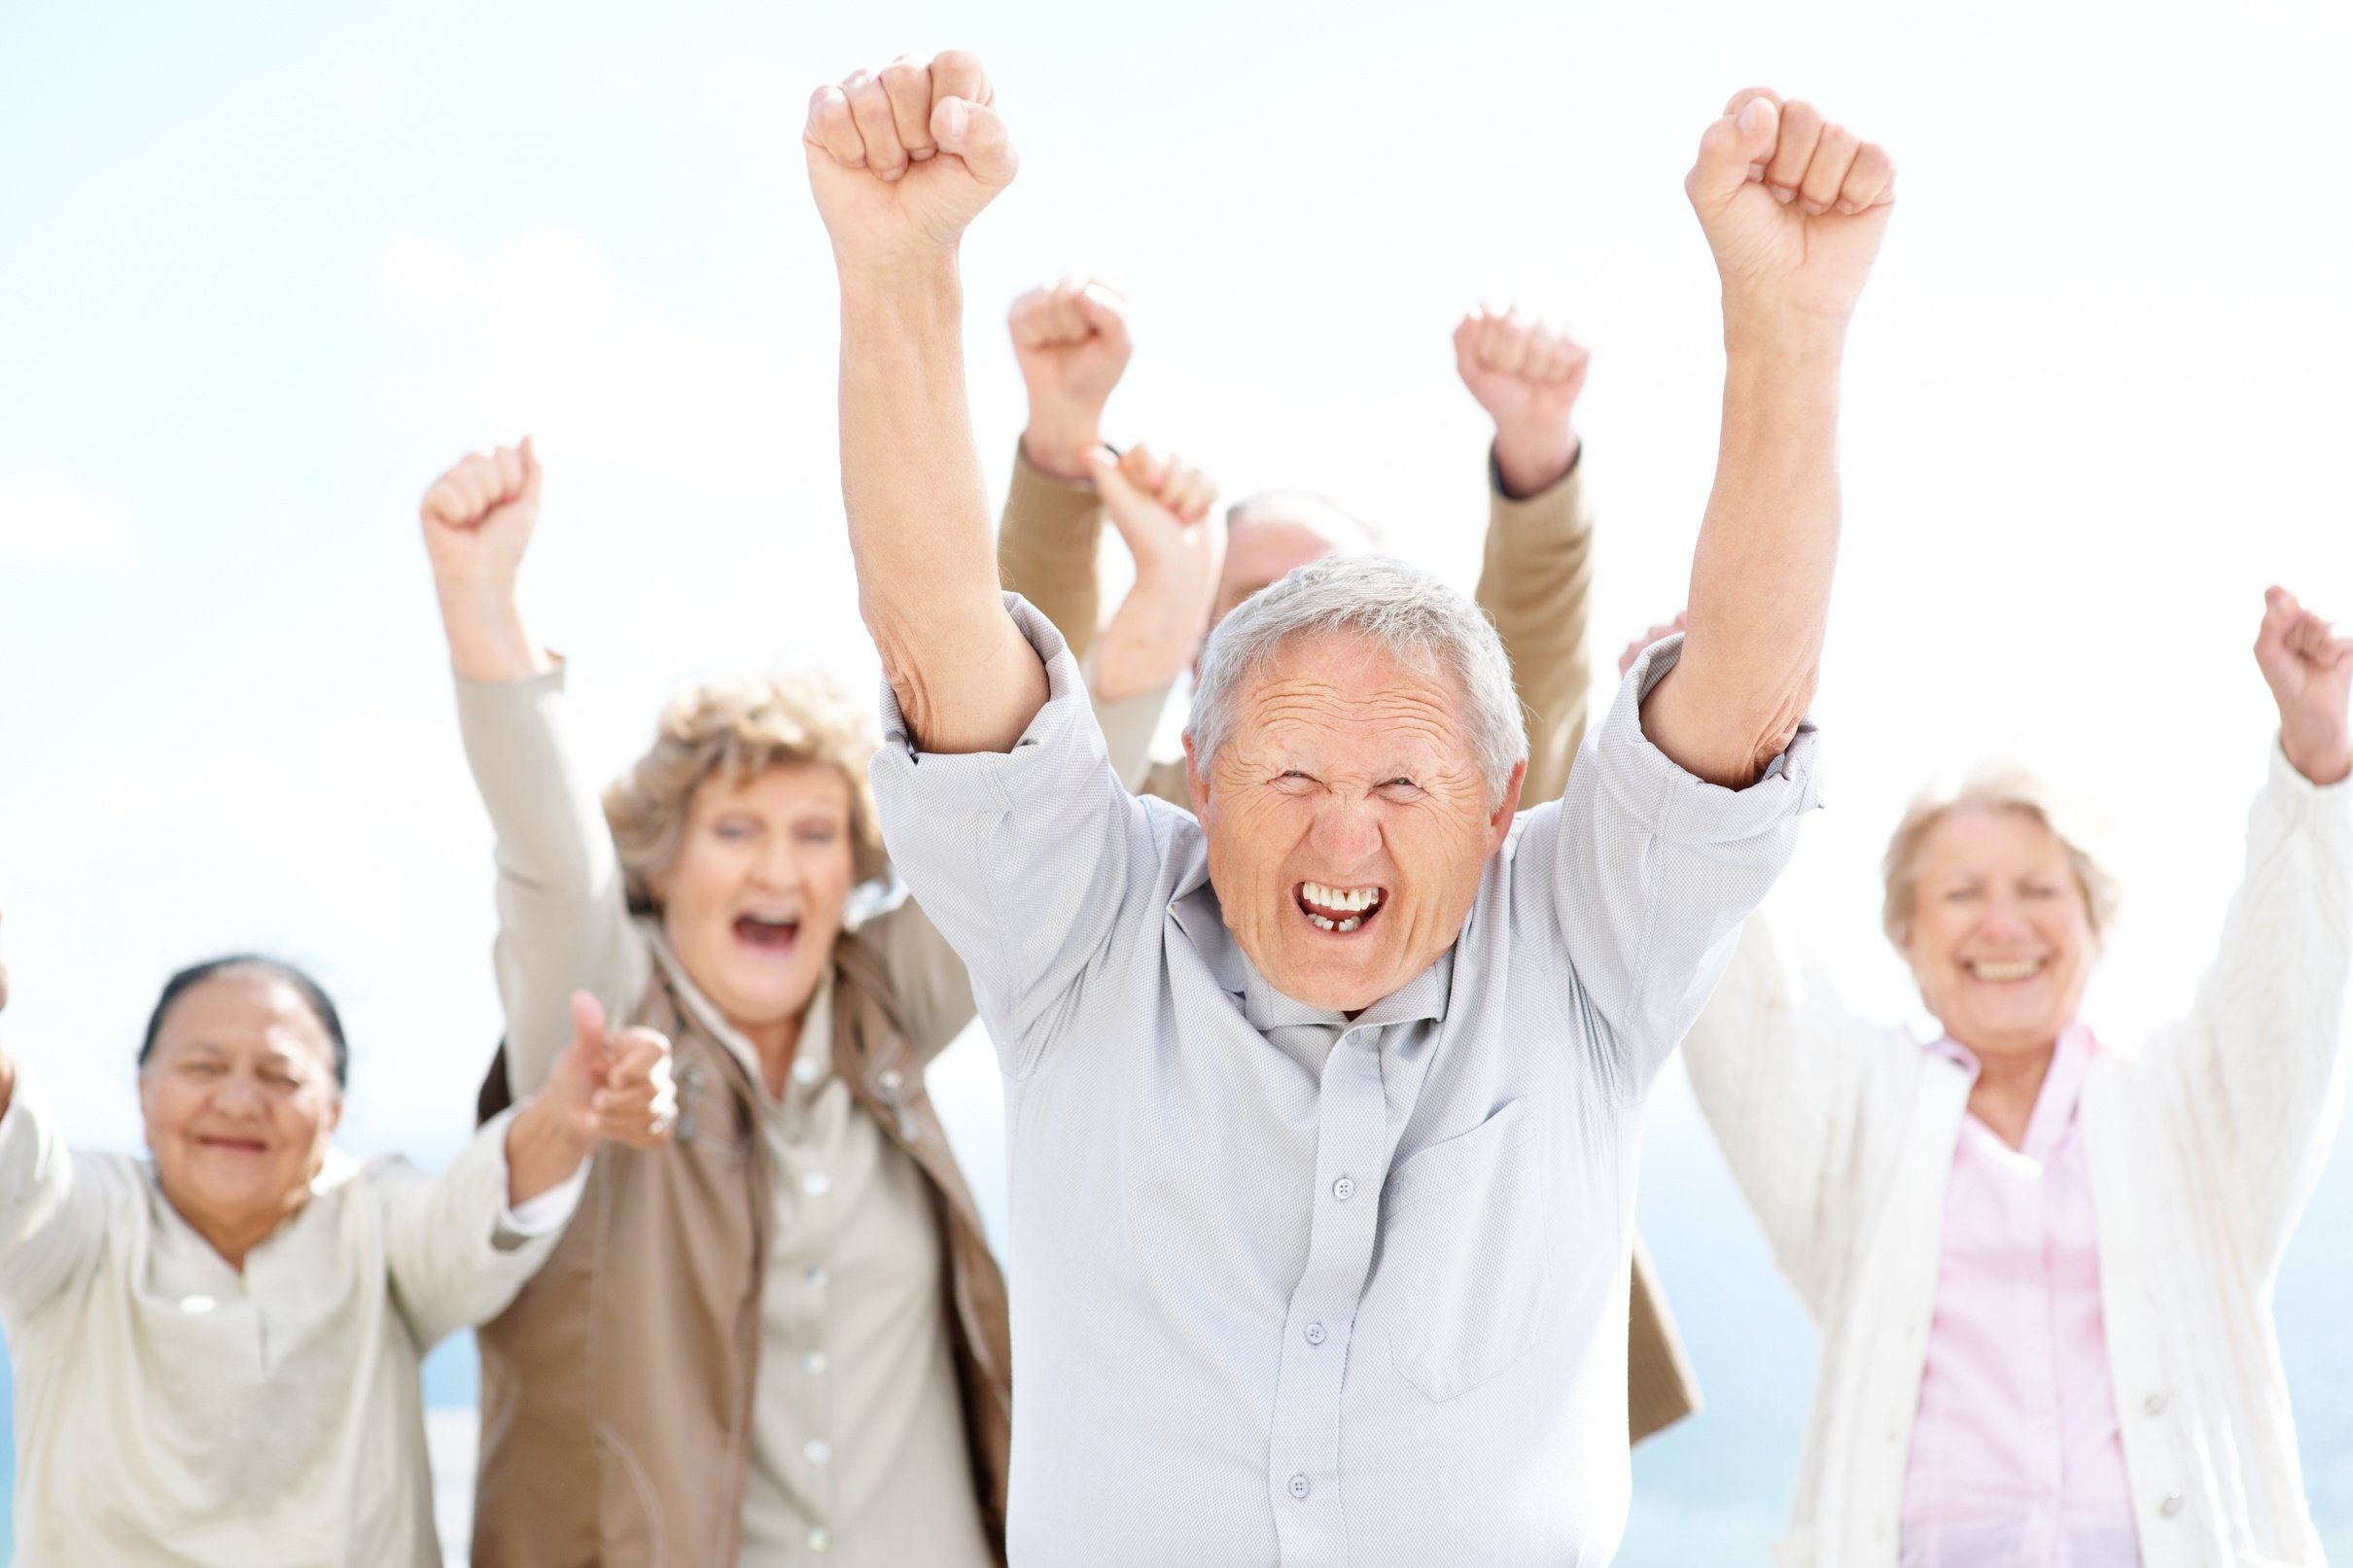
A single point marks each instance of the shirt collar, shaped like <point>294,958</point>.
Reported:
<point>2062,1088</point>
<point>816,1024</point>
<point>1199,916</point>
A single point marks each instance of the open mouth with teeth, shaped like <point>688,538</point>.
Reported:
<point>2005,972</point>
<point>767,933</point>
<point>1338,911</point>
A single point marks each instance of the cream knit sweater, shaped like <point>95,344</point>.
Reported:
<point>2203,1144</point>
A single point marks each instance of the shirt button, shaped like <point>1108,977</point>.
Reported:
<point>812,1362</point>
<point>818,1450</point>
<point>2171,1506</point>
<point>807,1069</point>
<point>2154,1404</point>
<point>1344,1188</point>
<point>821,1539</point>
<point>1314,1333</point>
<point>816,1184</point>
<point>814,1274</point>
<point>1299,1486</point>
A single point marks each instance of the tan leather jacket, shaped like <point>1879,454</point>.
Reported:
<point>616,1391</point>
<point>1535,579</point>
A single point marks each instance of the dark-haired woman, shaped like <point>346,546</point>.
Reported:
<point>216,1349</point>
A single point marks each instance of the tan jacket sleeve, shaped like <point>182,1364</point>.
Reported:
<point>1046,550</point>
<point>563,914</point>
<point>1537,581</point>
<point>928,980</point>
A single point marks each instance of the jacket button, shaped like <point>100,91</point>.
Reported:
<point>818,1450</point>
<point>2171,1506</point>
<point>821,1539</point>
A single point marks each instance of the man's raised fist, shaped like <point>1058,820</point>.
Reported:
<point>1794,207</point>
<point>1526,373</point>
<point>479,518</point>
<point>1071,339</point>
<point>902,158</point>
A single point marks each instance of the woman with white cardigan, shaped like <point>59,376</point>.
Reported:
<point>2042,1266</point>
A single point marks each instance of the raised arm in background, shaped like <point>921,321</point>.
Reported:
<point>2263,1046</point>
<point>563,914</point>
<point>901,162</point>
<point>1071,339</point>
<point>1536,574</point>
<point>1794,209</point>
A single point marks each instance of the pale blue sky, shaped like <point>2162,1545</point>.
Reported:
<point>265,269</point>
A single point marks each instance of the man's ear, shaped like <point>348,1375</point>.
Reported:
<point>1501,822</point>
<point>1196,786</point>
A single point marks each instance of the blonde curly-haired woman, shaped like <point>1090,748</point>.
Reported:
<point>819,1366</point>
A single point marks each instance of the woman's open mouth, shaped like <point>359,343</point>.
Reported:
<point>767,934</point>
<point>1338,910</point>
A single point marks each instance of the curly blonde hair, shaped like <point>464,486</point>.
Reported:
<point>1991,786</point>
<point>740,728</point>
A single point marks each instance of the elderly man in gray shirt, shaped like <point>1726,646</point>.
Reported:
<point>1325,1099</point>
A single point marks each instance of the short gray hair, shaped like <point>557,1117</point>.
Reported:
<point>1419,622</point>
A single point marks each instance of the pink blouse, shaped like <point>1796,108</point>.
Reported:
<point>2017,1459</point>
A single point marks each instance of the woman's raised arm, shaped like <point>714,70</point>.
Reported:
<point>563,914</point>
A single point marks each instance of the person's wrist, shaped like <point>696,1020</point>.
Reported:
<point>555,1126</point>
<point>1532,459</point>
<point>2323,754</point>
<point>914,268</point>
<point>1768,328</point>
<point>1059,446</point>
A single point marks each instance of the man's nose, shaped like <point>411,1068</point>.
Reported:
<point>1347,833</point>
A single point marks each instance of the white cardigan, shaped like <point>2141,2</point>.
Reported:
<point>2203,1147</point>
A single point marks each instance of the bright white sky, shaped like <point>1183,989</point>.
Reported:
<point>265,271</point>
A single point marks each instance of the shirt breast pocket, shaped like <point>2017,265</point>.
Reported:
<point>1465,1250</point>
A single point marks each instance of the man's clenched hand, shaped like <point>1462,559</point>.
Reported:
<point>1526,373</point>
<point>1794,208</point>
<point>903,158</point>
<point>1071,339</point>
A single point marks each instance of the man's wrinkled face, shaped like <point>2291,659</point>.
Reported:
<point>1348,822</point>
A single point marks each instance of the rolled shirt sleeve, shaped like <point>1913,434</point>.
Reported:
<point>1025,859</point>
<point>1653,869</point>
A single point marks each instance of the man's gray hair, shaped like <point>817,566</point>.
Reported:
<point>1419,622</point>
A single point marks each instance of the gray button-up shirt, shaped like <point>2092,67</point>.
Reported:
<point>1290,1287</point>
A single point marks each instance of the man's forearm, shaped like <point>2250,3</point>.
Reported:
<point>919,513</point>
<point>1767,547</point>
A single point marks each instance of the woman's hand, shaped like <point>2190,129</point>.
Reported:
<point>2311,670</point>
<point>614,1088</point>
<point>1165,509</point>
<point>478,519</point>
